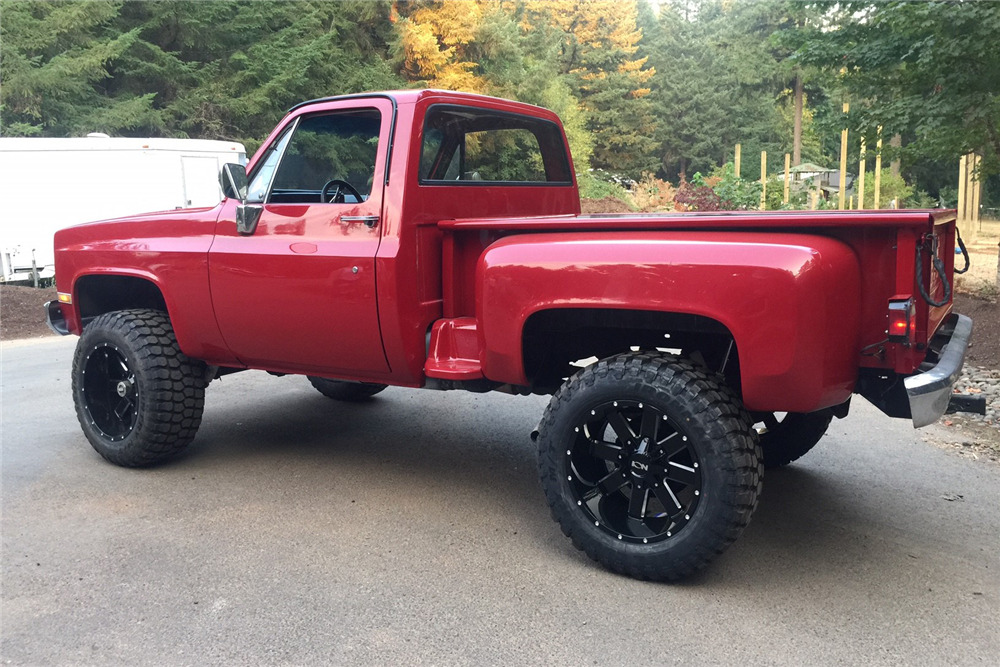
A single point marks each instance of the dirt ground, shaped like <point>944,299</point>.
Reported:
<point>21,314</point>
<point>985,347</point>
<point>977,296</point>
<point>981,278</point>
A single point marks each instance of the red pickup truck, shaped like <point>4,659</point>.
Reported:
<point>434,239</point>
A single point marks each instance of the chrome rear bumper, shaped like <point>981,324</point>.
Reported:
<point>929,392</point>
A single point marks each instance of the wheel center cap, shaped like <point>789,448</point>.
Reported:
<point>123,388</point>
<point>639,461</point>
<point>639,466</point>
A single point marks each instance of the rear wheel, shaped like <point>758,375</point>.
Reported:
<point>341,390</point>
<point>139,399</point>
<point>785,437</point>
<point>649,465</point>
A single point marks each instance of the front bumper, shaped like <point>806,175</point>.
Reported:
<point>929,392</point>
<point>55,318</point>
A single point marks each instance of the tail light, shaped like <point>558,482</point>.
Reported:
<point>902,321</point>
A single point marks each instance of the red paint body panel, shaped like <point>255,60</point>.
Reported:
<point>415,278</point>
<point>170,249</point>
<point>310,272</point>
<point>455,350</point>
<point>291,311</point>
<point>716,220</point>
<point>805,295</point>
<point>790,301</point>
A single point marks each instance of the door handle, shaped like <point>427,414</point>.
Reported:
<point>369,220</point>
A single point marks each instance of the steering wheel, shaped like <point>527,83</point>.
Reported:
<point>338,196</point>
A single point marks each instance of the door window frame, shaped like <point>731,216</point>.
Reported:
<point>288,131</point>
<point>338,104</point>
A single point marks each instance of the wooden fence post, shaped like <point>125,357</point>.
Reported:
<point>842,192</point>
<point>861,176</point>
<point>963,172</point>
<point>788,161</point>
<point>763,180</point>
<point>878,168</point>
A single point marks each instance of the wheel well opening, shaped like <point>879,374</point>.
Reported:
<point>556,343</point>
<point>96,295</point>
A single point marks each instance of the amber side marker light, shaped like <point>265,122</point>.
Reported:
<point>63,297</point>
<point>901,321</point>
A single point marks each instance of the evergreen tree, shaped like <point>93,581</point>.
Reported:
<point>716,84</point>
<point>55,58</point>
<point>599,41</point>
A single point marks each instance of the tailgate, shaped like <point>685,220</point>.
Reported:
<point>938,271</point>
<point>925,261</point>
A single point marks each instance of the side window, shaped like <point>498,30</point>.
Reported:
<point>469,145</point>
<point>333,152</point>
<point>330,158</point>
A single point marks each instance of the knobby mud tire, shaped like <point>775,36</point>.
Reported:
<point>133,355</point>
<point>719,436</point>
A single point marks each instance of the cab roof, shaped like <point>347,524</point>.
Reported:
<point>415,95</point>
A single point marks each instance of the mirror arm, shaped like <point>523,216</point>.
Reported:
<point>235,185</point>
<point>247,217</point>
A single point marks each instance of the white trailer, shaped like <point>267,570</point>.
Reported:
<point>47,184</point>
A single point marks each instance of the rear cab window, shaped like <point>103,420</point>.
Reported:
<point>473,146</point>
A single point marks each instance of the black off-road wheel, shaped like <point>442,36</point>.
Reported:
<point>649,464</point>
<point>787,437</point>
<point>139,399</point>
<point>340,390</point>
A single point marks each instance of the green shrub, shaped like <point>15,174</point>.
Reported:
<point>893,187</point>
<point>735,193</point>
<point>593,187</point>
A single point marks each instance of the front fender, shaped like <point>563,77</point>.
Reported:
<point>791,301</point>
<point>169,250</point>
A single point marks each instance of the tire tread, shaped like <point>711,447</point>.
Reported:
<point>727,422</point>
<point>174,396</point>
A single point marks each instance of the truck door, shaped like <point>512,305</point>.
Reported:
<point>299,293</point>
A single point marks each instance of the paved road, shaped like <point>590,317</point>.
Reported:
<point>412,530</point>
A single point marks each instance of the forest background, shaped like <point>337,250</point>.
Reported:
<point>652,94</point>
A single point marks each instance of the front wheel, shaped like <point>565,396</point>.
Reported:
<point>139,398</point>
<point>649,464</point>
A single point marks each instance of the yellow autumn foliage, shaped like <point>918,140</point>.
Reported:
<point>435,37</point>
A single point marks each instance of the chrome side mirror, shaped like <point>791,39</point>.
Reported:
<point>235,186</point>
<point>234,181</point>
